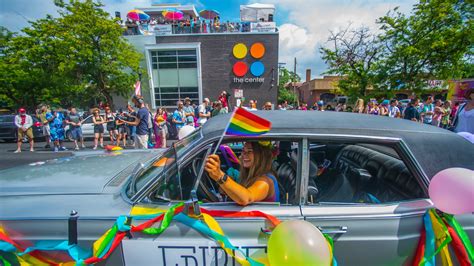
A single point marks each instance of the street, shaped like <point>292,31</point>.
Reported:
<point>9,159</point>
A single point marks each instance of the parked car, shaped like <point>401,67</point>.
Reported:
<point>361,179</point>
<point>9,131</point>
<point>87,129</point>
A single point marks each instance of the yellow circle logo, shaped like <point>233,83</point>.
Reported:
<point>240,51</point>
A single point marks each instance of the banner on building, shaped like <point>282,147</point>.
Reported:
<point>263,27</point>
<point>164,29</point>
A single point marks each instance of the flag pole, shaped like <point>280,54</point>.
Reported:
<point>225,130</point>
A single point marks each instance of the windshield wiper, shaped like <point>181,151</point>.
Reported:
<point>135,174</point>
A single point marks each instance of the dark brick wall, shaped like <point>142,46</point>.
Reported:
<point>217,61</point>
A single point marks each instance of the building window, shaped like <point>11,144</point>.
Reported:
<point>174,74</point>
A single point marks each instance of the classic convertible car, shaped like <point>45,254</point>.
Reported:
<point>361,179</point>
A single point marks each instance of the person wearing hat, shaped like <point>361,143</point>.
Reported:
<point>24,123</point>
<point>188,111</point>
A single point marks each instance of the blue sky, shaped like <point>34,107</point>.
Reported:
<point>304,25</point>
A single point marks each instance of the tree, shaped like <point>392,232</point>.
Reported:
<point>76,58</point>
<point>286,77</point>
<point>435,42</point>
<point>353,53</point>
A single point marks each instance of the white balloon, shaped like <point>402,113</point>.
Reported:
<point>185,131</point>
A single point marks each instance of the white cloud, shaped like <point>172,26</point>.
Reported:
<point>308,23</point>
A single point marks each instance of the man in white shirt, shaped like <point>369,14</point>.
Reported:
<point>24,123</point>
<point>204,114</point>
<point>393,110</point>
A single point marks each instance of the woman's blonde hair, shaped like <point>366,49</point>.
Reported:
<point>262,164</point>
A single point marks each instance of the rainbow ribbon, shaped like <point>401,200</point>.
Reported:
<point>109,241</point>
<point>438,233</point>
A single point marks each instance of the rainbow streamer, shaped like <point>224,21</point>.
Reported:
<point>438,233</point>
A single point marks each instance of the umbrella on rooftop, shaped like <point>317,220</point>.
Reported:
<point>137,14</point>
<point>173,14</point>
<point>208,14</point>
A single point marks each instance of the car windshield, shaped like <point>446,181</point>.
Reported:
<point>164,162</point>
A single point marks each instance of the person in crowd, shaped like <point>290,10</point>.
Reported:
<point>204,113</point>
<point>303,106</point>
<point>464,119</point>
<point>132,129</point>
<point>46,132</point>
<point>393,110</point>
<point>383,108</point>
<point>410,111</point>
<point>160,127</point>
<point>24,123</point>
<point>224,99</point>
<point>252,105</point>
<point>359,106</point>
<point>188,111</point>
<point>438,113</point>
<point>111,125</point>
<point>218,109</point>
<point>141,122</point>
<point>372,108</point>
<point>75,121</point>
<point>319,106</point>
<point>99,122</point>
<point>283,105</point>
<point>454,111</point>
<point>150,126</point>
<point>267,106</point>
<point>122,127</point>
<point>179,117</point>
<point>257,181</point>
<point>427,111</point>
<point>341,106</point>
<point>446,114</point>
<point>56,126</point>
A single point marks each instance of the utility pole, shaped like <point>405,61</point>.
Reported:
<point>294,84</point>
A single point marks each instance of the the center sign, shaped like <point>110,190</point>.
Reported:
<point>241,68</point>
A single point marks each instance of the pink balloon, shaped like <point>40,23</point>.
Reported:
<point>452,190</point>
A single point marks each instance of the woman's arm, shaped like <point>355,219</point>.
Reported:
<point>258,191</point>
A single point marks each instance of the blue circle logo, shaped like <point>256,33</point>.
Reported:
<point>257,68</point>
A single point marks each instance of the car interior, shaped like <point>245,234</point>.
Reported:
<point>338,173</point>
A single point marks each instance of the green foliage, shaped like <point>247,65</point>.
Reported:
<point>76,59</point>
<point>285,94</point>
<point>434,42</point>
<point>354,54</point>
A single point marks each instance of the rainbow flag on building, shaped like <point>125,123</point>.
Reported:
<point>245,123</point>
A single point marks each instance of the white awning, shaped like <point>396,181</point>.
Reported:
<point>256,12</point>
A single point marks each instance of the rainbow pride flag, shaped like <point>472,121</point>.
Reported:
<point>244,123</point>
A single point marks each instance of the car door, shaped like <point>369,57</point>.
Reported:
<point>181,245</point>
<point>366,231</point>
<point>87,127</point>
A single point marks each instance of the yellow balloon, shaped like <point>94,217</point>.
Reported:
<point>298,243</point>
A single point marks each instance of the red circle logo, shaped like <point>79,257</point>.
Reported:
<point>240,69</point>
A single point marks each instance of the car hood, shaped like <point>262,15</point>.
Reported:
<point>82,173</point>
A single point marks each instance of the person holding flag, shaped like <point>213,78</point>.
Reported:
<point>257,181</point>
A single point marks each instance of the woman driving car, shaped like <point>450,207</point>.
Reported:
<point>257,182</point>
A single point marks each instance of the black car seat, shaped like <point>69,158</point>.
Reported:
<point>285,167</point>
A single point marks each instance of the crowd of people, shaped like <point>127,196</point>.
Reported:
<point>185,26</point>
<point>143,128</point>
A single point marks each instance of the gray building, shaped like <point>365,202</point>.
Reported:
<point>199,65</point>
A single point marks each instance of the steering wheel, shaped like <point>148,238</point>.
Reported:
<point>205,183</point>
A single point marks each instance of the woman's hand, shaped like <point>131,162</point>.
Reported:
<point>213,167</point>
